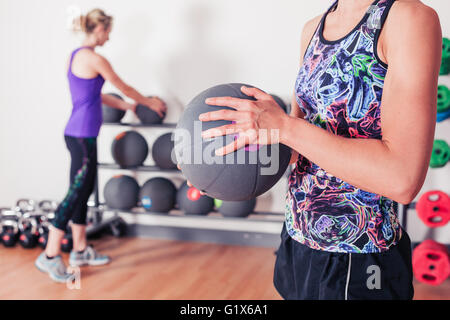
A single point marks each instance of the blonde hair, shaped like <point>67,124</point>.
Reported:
<point>91,20</point>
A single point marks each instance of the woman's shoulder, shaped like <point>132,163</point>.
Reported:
<point>311,26</point>
<point>411,10</point>
<point>308,30</point>
<point>87,53</point>
<point>411,19</point>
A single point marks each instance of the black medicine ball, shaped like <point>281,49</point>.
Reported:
<point>162,152</point>
<point>129,149</point>
<point>158,195</point>
<point>191,202</point>
<point>112,115</point>
<point>121,192</point>
<point>147,115</point>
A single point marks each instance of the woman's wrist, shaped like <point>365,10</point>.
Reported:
<point>128,106</point>
<point>290,124</point>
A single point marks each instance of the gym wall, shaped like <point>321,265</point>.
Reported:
<point>174,49</point>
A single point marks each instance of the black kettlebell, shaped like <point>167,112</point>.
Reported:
<point>47,208</point>
<point>43,234</point>
<point>42,240</point>
<point>10,233</point>
<point>9,229</point>
<point>66,243</point>
<point>28,227</point>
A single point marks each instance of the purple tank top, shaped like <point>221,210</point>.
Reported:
<point>86,118</point>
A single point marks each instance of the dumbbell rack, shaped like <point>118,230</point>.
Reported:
<point>259,228</point>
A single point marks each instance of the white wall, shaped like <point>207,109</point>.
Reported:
<point>173,48</point>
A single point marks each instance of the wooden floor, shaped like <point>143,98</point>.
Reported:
<point>158,269</point>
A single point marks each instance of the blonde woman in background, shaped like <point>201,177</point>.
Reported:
<point>87,71</point>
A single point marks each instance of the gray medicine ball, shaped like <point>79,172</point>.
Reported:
<point>158,195</point>
<point>147,115</point>
<point>162,152</point>
<point>239,176</point>
<point>112,115</point>
<point>191,202</point>
<point>129,149</point>
<point>121,192</point>
<point>241,209</point>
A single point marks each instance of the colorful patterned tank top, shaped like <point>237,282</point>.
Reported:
<point>339,88</point>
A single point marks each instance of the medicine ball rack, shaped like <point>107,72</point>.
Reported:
<point>259,229</point>
<point>404,220</point>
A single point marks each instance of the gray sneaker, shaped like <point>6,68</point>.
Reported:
<point>54,267</point>
<point>88,257</point>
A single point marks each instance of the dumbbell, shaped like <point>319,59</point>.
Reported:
<point>28,227</point>
<point>433,208</point>
<point>440,155</point>
<point>9,229</point>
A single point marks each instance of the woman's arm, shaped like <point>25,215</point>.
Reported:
<point>117,103</point>
<point>395,166</point>
<point>102,66</point>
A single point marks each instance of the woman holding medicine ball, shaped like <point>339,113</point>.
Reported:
<point>361,130</point>
<point>87,71</point>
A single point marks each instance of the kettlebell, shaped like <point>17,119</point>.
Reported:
<point>9,229</point>
<point>43,229</point>
<point>25,205</point>
<point>66,243</point>
<point>43,236</point>
<point>28,227</point>
<point>48,206</point>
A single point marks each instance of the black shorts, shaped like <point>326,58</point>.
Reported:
<point>302,273</point>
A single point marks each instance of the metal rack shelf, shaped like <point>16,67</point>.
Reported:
<point>262,226</point>
<point>255,216</point>
<point>113,166</point>
<point>405,209</point>
<point>141,125</point>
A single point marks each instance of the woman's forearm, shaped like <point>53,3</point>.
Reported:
<point>368,164</point>
<point>116,103</point>
<point>132,93</point>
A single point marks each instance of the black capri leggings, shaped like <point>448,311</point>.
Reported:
<point>83,170</point>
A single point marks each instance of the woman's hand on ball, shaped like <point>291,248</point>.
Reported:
<point>256,122</point>
<point>157,105</point>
